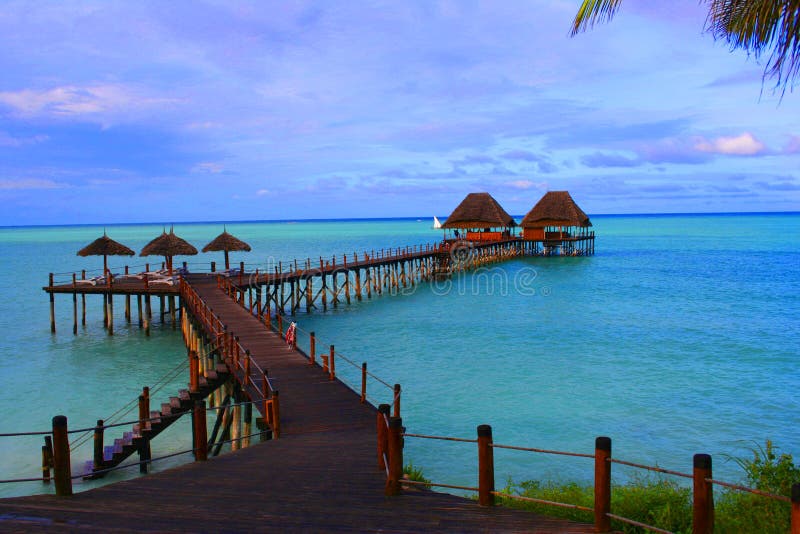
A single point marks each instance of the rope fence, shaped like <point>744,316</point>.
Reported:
<point>390,449</point>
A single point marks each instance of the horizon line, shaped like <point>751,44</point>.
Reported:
<point>365,219</point>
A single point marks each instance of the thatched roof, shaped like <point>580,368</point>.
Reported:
<point>168,244</point>
<point>479,210</point>
<point>555,208</point>
<point>105,246</point>
<point>226,242</point>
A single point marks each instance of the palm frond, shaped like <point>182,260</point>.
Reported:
<point>764,28</point>
<point>592,12</point>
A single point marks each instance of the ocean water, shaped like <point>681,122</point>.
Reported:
<point>679,336</point>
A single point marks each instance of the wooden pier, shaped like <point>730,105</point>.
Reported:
<point>321,474</point>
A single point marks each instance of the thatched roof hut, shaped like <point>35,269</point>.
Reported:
<point>226,242</point>
<point>479,210</point>
<point>556,208</point>
<point>168,245</point>
<point>105,246</point>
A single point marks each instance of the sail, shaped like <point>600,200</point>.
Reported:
<point>436,224</point>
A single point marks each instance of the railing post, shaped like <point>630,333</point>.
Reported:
<point>276,415</point>
<point>194,372</point>
<point>62,471</point>
<point>45,465</point>
<point>396,402</point>
<point>332,364</point>
<point>485,466</point>
<point>280,325</point>
<point>795,529</point>
<point>363,382</point>
<point>312,348</point>
<point>703,516</point>
<point>144,445</point>
<point>214,267</point>
<point>602,484</point>
<point>200,431</point>
<point>265,394</point>
<point>383,435</point>
<point>395,456</point>
<point>247,367</point>
<point>98,445</point>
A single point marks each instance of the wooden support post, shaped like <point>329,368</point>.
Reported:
<point>382,424</point>
<point>334,276</point>
<point>703,501</point>
<point>485,466</point>
<point>347,285</point>
<point>795,525</point>
<point>74,312</point>
<point>395,456</point>
<point>276,415</point>
<point>248,424</point>
<point>200,431</point>
<point>194,372</point>
<point>162,308</point>
<point>397,400</point>
<point>144,444</point>
<point>358,284</point>
<point>312,348</point>
<point>128,308</point>
<point>309,295</point>
<point>45,465</point>
<point>332,364</point>
<point>62,471</point>
<point>139,309</point>
<point>52,307</point>
<point>236,425</point>
<point>172,311</point>
<point>97,461</point>
<point>602,484</point>
<point>110,314</point>
<point>363,382</point>
<point>148,316</point>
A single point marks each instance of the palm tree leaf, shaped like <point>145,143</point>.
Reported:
<point>592,12</point>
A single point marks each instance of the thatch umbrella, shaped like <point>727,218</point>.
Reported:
<point>168,245</point>
<point>479,210</point>
<point>105,246</point>
<point>226,242</point>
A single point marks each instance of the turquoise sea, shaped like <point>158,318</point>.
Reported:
<point>679,336</point>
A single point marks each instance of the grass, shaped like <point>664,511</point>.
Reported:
<point>663,503</point>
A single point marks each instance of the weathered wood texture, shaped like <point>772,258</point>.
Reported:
<point>320,476</point>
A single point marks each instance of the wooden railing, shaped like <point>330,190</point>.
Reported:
<point>390,435</point>
<point>237,358</point>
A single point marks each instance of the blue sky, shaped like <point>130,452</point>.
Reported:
<point>183,111</point>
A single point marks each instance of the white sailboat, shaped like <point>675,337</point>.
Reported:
<point>436,224</point>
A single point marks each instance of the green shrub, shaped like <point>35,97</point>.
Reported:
<point>415,474</point>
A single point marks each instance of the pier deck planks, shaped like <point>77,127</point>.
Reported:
<point>320,476</point>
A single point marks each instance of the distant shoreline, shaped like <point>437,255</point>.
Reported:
<point>386,219</point>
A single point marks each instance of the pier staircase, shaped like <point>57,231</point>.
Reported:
<point>138,438</point>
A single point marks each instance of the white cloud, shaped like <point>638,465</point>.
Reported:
<point>262,192</point>
<point>30,183</point>
<point>740,145</point>
<point>11,141</point>
<point>526,184</point>
<point>73,100</point>
<point>208,167</point>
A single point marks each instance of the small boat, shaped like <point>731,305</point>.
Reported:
<point>436,224</point>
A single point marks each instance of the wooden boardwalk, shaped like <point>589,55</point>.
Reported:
<point>320,476</point>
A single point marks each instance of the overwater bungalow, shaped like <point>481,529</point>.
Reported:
<point>557,226</point>
<point>480,217</point>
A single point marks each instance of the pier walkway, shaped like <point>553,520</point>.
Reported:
<point>320,476</point>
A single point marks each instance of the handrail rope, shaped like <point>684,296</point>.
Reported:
<point>13,480</point>
<point>345,358</point>
<point>238,439</point>
<point>638,524</point>
<point>650,468</point>
<point>386,464</point>
<point>134,464</point>
<point>542,501</point>
<point>750,490</point>
<point>15,434</point>
<point>443,438</point>
<point>127,408</point>
<point>545,451</point>
<point>435,485</point>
